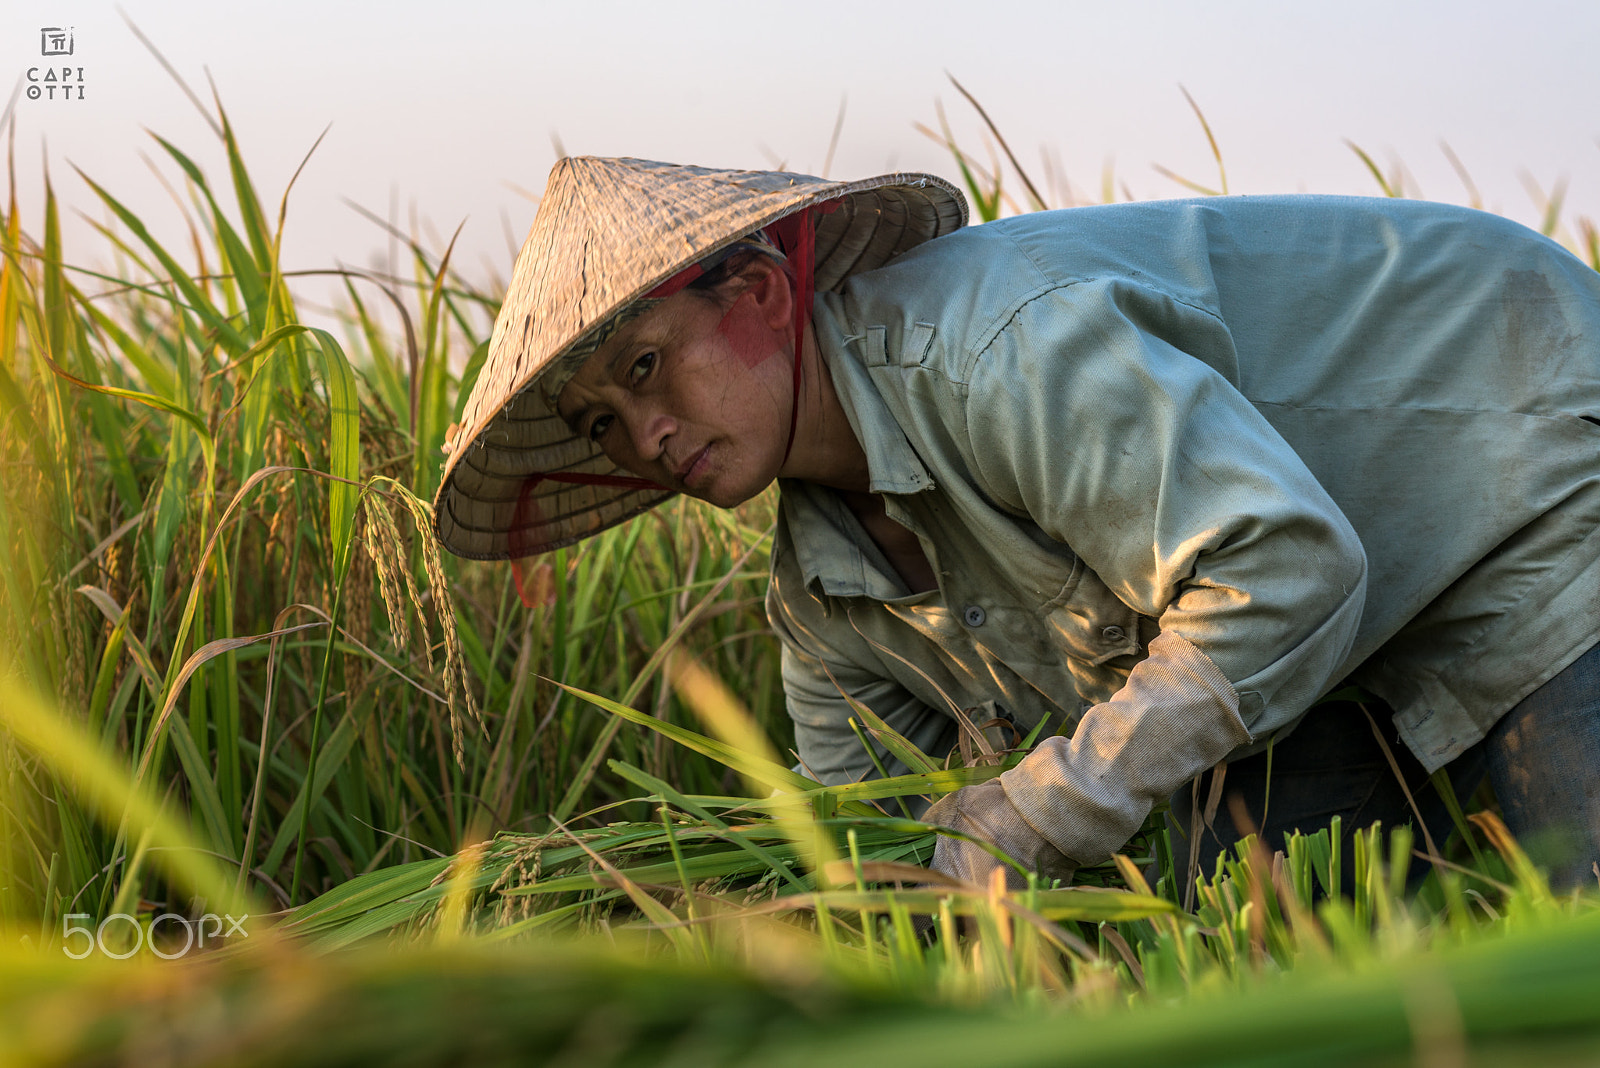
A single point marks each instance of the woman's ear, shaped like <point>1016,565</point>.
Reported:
<point>768,284</point>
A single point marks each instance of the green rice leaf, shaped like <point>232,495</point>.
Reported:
<point>344,449</point>
<point>246,272</point>
<point>1079,904</point>
<point>772,775</point>
<point>230,338</point>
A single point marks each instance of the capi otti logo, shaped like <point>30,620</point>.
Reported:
<point>56,82</point>
<point>55,41</point>
<point>50,81</point>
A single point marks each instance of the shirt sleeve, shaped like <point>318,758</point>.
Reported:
<point>1088,413</point>
<point>824,660</point>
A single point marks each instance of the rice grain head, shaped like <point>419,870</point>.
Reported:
<point>457,689</point>
<point>382,542</point>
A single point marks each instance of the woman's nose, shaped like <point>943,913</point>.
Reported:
<point>649,430</point>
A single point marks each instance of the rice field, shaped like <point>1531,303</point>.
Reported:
<point>283,785</point>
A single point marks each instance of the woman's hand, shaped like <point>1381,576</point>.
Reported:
<point>983,811</point>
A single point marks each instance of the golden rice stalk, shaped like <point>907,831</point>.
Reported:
<point>382,543</point>
<point>457,690</point>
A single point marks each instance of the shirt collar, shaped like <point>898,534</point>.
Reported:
<point>892,464</point>
<point>835,555</point>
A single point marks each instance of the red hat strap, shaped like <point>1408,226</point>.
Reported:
<point>796,238</point>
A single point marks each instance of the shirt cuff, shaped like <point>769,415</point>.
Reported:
<point>1176,716</point>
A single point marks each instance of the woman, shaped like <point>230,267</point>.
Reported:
<point>1157,475</point>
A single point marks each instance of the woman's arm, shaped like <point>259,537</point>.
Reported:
<point>1086,414</point>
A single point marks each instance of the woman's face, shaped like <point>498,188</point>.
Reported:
<point>695,393</point>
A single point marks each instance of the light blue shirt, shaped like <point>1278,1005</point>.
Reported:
<point>1318,438</point>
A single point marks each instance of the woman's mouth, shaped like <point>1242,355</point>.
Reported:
<point>695,468</point>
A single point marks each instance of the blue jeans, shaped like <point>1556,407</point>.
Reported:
<point>1542,758</point>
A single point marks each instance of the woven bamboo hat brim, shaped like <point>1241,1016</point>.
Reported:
<point>607,232</point>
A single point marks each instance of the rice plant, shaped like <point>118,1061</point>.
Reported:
<point>847,874</point>
<point>217,564</point>
<point>783,924</point>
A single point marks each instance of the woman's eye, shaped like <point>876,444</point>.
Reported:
<point>641,367</point>
<point>597,429</point>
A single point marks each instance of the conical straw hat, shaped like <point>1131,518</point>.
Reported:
<point>607,232</point>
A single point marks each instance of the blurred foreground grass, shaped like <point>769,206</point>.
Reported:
<point>1529,996</point>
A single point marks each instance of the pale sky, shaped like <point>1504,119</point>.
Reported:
<point>444,110</point>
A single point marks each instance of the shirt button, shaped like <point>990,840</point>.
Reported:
<point>974,616</point>
<point>1114,634</point>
